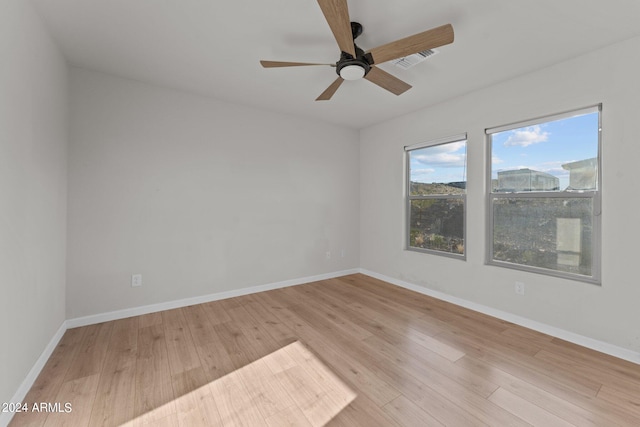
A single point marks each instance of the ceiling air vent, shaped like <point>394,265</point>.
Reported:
<point>411,60</point>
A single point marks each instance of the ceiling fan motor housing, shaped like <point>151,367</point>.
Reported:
<point>350,68</point>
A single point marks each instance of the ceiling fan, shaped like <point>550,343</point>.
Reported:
<point>354,63</point>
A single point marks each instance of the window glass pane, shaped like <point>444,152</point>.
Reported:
<point>553,156</point>
<point>551,233</point>
<point>437,224</point>
<point>439,169</point>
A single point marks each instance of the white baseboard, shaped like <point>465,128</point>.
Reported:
<point>146,309</point>
<point>27,383</point>
<point>601,346</point>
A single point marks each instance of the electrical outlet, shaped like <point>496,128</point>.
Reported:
<point>343,253</point>
<point>328,255</point>
<point>519,288</point>
<point>136,280</point>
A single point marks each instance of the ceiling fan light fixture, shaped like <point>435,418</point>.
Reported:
<point>352,72</point>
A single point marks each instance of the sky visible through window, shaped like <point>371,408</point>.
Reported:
<point>439,163</point>
<point>544,148</point>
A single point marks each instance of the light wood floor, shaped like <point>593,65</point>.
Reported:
<point>356,349</point>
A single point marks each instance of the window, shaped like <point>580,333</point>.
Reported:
<point>544,195</point>
<point>436,193</point>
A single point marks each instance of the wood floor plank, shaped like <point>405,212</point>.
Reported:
<point>380,325</point>
<point>417,341</point>
<point>241,317</point>
<point>254,336</point>
<point>234,403</point>
<point>92,351</point>
<point>298,355</point>
<point>573,408</point>
<point>518,364</point>
<point>619,382</point>
<point>267,395</point>
<point>431,368</point>
<point>80,393</point>
<point>434,345</point>
<point>326,380</point>
<point>198,324</point>
<point>113,405</point>
<point>468,391</point>
<point>281,333</point>
<point>382,305</point>
<point>230,303</point>
<point>334,316</point>
<point>608,363</point>
<point>215,312</point>
<point>189,381</point>
<point>170,420</point>
<point>215,359</point>
<point>257,341</point>
<point>316,404</point>
<point>408,413</point>
<point>289,417</point>
<point>150,319</point>
<point>181,350</point>
<point>194,401</point>
<point>316,318</point>
<point>233,340</point>
<point>279,361</point>
<point>429,327</point>
<point>520,333</point>
<point>362,412</point>
<point>154,397</point>
<point>629,403</point>
<point>526,410</point>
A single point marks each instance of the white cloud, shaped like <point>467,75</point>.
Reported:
<point>445,155</point>
<point>526,136</point>
<point>423,171</point>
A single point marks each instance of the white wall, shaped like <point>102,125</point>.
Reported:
<point>33,180</point>
<point>199,196</point>
<point>607,313</point>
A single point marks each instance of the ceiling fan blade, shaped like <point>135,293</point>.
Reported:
<point>328,93</point>
<point>336,13</point>
<point>429,39</point>
<point>273,64</point>
<point>387,81</point>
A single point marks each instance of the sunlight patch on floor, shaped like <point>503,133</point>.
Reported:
<point>287,387</point>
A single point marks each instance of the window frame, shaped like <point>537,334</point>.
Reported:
<point>595,195</point>
<point>409,198</point>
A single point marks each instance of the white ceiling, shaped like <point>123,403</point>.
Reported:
<point>213,47</point>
